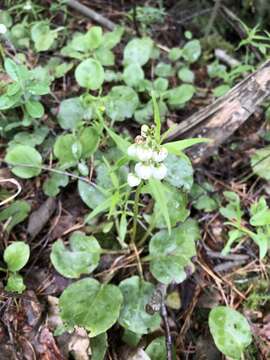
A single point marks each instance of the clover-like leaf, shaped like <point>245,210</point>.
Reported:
<point>26,156</point>
<point>90,304</point>
<point>82,258</point>
<point>230,330</point>
<point>16,255</point>
<point>90,74</point>
<point>171,253</point>
<point>137,294</point>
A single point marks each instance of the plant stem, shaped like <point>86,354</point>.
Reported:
<point>135,212</point>
<point>147,233</point>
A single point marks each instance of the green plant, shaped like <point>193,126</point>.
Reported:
<point>15,256</point>
<point>258,229</point>
<point>230,330</point>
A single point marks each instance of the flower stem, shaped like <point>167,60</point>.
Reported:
<point>135,212</point>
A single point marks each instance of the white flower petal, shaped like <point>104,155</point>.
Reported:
<point>144,153</point>
<point>143,171</point>
<point>160,155</point>
<point>159,171</point>
<point>133,180</point>
<point>3,29</point>
<point>132,150</point>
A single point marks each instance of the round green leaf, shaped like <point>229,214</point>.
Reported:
<point>93,37</point>
<point>24,155</point>
<point>16,255</point>
<point>180,171</point>
<point>186,75</point>
<point>260,162</point>
<point>121,103</point>
<point>90,195</point>
<point>137,294</point>
<point>15,283</point>
<point>92,305</point>
<point>164,70</point>
<point>82,258</point>
<point>34,108</point>
<point>70,113</point>
<point>90,74</point>
<point>170,254</point>
<point>180,95</point>
<point>89,140</point>
<point>133,74</point>
<point>192,51</point>
<point>63,149</point>
<point>42,36</point>
<point>176,204</point>
<point>138,51</point>
<point>156,350</point>
<point>230,330</point>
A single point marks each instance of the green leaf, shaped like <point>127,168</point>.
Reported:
<point>15,283</point>
<point>51,186</point>
<point>260,213</point>
<point>34,108</point>
<point>176,147</point>
<point>164,70</point>
<point>121,103</point>
<point>16,255</point>
<point>71,113</point>
<point>158,191</point>
<point>105,56</point>
<point>175,54</point>
<point>90,74</point>
<point>137,294</point>
<point>232,210</point>
<point>260,162</point>
<point>171,253</point>
<point>156,350</point>
<point>180,95</point>
<point>93,37</point>
<point>176,204</point>
<point>230,330</point>
<point>90,194</point>
<point>186,75</point>
<point>92,305</point>
<point>112,38</point>
<point>120,142</point>
<point>82,258</point>
<point>191,51</point>
<point>133,74</point>
<point>89,139</point>
<point>261,238</point>
<point>63,149</point>
<point>157,119</point>
<point>30,138</point>
<point>24,155</point>
<point>15,213</point>
<point>221,90</point>
<point>138,51</point>
<point>99,345</point>
<point>179,171</point>
<point>42,36</point>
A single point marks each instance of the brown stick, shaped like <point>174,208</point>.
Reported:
<point>219,120</point>
<point>91,14</point>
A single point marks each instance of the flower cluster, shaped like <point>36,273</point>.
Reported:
<point>150,155</point>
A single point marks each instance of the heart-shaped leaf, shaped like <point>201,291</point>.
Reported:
<point>90,304</point>
<point>16,255</point>
<point>90,74</point>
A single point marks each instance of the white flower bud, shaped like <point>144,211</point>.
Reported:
<point>144,130</point>
<point>160,155</point>
<point>3,29</point>
<point>132,150</point>
<point>133,180</point>
<point>143,171</point>
<point>144,153</point>
<point>159,171</point>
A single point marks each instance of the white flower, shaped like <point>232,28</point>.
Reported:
<point>160,154</point>
<point>3,29</point>
<point>144,153</point>
<point>133,180</point>
<point>143,171</point>
<point>144,130</point>
<point>27,6</point>
<point>132,150</point>
<point>159,171</point>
